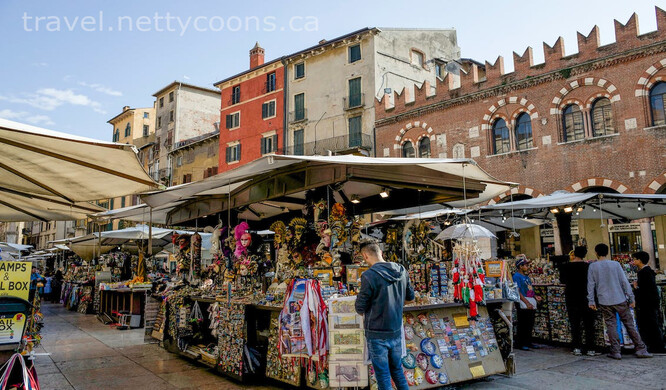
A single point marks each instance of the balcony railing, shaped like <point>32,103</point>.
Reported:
<point>335,145</point>
<point>353,101</point>
<point>298,116</point>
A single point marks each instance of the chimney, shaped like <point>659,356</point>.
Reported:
<point>125,108</point>
<point>256,56</point>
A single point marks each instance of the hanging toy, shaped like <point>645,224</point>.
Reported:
<point>478,290</point>
<point>465,291</point>
<point>455,279</point>
<point>473,311</point>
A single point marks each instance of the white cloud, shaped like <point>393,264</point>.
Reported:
<point>101,88</point>
<point>26,117</point>
<point>50,98</point>
<point>40,64</point>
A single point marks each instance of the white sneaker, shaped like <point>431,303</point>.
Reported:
<point>577,352</point>
<point>592,353</point>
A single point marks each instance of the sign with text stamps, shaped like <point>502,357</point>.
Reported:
<point>15,279</point>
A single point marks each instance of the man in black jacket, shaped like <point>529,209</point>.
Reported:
<point>384,290</point>
<point>647,304</point>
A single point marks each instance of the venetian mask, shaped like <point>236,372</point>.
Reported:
<point>246,240</point>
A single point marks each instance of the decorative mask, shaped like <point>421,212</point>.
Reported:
<point>299,225</point>
<point>239,232</point>
<point>280,230</point>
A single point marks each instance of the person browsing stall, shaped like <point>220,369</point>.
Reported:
<point>528,304</point>
<point>647,304</point>
<point>574,276</point>
<point>385,288</point>
<point>607,280</point>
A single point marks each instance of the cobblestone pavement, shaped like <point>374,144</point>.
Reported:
<point>85,354</point>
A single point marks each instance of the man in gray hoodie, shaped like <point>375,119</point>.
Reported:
<point>384,290</point>
<point>607,280</point>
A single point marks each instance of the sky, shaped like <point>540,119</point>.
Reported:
<point>70,66</point>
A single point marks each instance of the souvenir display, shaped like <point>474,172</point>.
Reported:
<point>541,329</point>
<point>451,344</point>
<point>468,276</point>
<point>347,344</point>
<point>231,338</point>
<point>418,276</point>
<point>281,369</point>
<point>559,318</point>
<point>439,281</point>
<point>210,313</point>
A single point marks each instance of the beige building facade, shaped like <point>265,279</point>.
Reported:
<point>135,126</point>
<point>195,159</point>
<point>183,111</point>
<point>332,88</point>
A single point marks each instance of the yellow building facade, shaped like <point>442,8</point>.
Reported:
<point>135,126</point>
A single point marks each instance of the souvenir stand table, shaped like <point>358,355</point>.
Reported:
<point>314,208</point>
<point>124,305</point>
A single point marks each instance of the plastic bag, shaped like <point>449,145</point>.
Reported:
<point>510,291</point>
<point>15,372</point>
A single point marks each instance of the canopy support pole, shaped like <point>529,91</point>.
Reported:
<point>150,232</point>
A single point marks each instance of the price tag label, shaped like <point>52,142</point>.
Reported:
<point>477,371</point>
<point>460,320</point>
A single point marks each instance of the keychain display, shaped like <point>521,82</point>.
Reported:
<point>231,338</point>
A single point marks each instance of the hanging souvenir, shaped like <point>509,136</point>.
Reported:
<point>409,361</point>
<point>422,361</point>
<point>195,252</point>
<point>418,376</point>
<point>338,225</point>
<point>431,377</point>
<point>436,361</point>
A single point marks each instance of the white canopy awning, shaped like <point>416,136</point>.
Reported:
<point>43,172</point>
<point>139,213</point>
<point>229,181</point>
<point>584,206</point>
<point>86,246</point>
<point>14,248</point>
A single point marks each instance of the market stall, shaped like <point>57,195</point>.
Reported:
<point>243,313</point>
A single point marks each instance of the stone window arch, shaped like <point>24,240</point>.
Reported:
<point>523,132</point>
<point>408,149</point>
<point>601,117</point>
<point>424,147</point>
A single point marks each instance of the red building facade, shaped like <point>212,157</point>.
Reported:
<point>590,121</point>
<point>251,116</point>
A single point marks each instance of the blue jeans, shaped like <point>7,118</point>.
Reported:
<point>387,362</point>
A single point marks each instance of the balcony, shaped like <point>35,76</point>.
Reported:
<point>298,116</point>
<point>353,101</point>
<point>335,145</point>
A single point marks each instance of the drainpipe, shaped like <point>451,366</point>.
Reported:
<point>374,140</point>
<point>314,151</point>
<point>285,106</point>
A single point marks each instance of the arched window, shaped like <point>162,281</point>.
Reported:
<point>424,147</point>
<point>658,104</point>
<point>128,130</point>
<point>524,132</point>
<point>501,142</point>
<point>572,123</point>
<point>602,118</point>
<point>408,149</point>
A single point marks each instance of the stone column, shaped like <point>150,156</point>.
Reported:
<point>556,237</point>
<point>647,242</point>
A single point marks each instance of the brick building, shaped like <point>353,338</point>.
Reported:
<point>593,120</point>
<point>252,114</point>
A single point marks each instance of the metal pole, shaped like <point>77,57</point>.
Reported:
<point>150,233</point>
